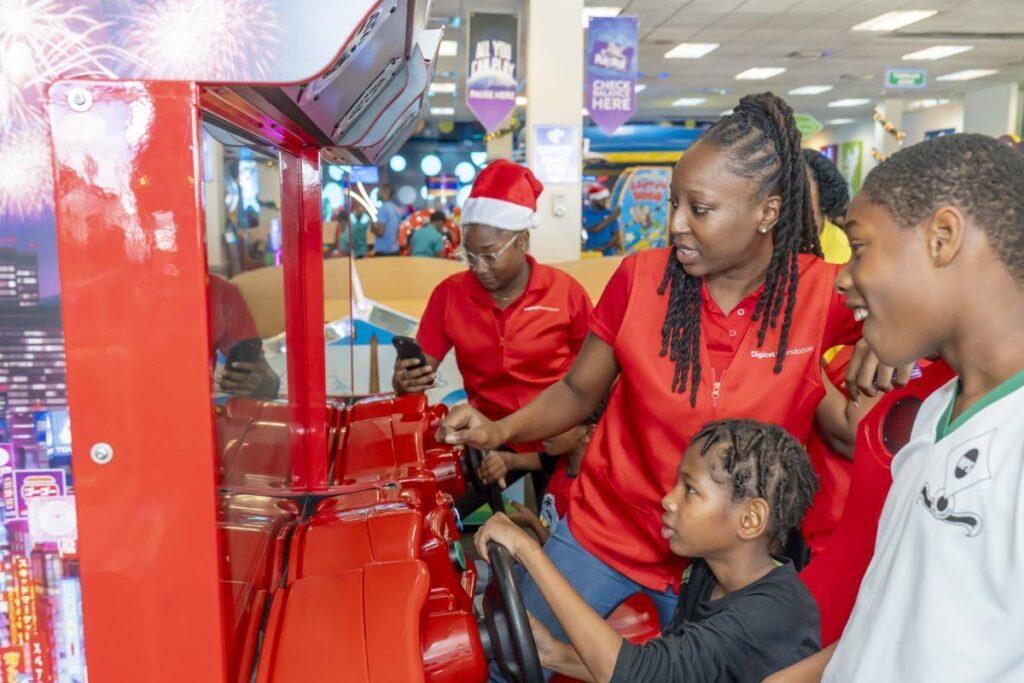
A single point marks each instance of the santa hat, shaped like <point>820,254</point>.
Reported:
<point>504,196</point>
<point>598,192</point>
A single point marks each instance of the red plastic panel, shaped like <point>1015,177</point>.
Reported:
<point>395,535</point>
<point>133,274</point>
<point>316,632</point>
<point>451,649</point>
<point>394,593</point>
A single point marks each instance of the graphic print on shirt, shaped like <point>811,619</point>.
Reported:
<point>966,465</point>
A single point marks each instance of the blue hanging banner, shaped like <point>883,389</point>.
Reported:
<point>611,71</point>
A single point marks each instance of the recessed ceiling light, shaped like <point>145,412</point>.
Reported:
<point>926,104</point>
<point>442,111</point>
<point>939,52</point>
<point>689,101</point>
<point>892,21</point>
<point>850,102</point>
<point>521,101</point>
<point>810,89</point>
<point>839,122</point>
<point>442,88</point>
<point>599,12</point>
<point>640,87</point>
<point>691,50</point>
<point>760,73</point>
<point>967,74</point>
<point>448,48</point>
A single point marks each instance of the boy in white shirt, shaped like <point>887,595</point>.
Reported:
<point>937,235</point>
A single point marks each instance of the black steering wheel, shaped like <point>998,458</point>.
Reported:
<point>505,631</point>
<point>474,457</point>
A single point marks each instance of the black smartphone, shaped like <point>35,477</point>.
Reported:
<point>407,348</point>
<point>245,351</point>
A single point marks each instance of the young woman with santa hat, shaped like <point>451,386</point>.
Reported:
<point>516,325</point>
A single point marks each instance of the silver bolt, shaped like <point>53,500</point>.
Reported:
<point>101,453</point>
<point>79,99</point>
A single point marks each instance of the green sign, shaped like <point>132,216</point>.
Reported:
<point>850,163</point>
<point>906,78</point>
<point>808,125</point>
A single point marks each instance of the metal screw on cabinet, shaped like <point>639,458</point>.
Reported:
<point>79,99</point>
<point>101,453</point>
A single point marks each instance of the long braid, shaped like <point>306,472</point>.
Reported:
<point>763,144</point>
<point>758,460</point>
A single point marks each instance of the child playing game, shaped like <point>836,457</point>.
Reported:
<point>937,235</point>
<point>741,487</point>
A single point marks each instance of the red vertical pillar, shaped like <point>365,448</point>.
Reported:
<point>302,236</point>
<point>134,294</point>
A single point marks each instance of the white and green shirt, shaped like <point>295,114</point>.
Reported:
<point>943,598</point>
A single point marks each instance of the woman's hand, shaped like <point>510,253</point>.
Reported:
<point>867,376</point>
<point>412,377</point>
<point>494,468</point>
<point>466,425</point>
<point>502,530</point>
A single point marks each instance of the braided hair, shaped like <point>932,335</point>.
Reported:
<point>761,460</point>
<point>762,142</point>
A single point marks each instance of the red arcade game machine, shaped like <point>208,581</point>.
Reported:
<point>292,537</point>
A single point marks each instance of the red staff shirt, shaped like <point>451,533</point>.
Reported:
<point>230,318</point>
<point>834,471</point>
<point>507,357</point>
<point>615,505</point>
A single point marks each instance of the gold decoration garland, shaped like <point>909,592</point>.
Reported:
<point>512,127</point>
<point>889,127</point>
<point>879,157</point>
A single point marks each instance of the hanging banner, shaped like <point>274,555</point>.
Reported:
<point>611,71</point>
<point>491,73</point>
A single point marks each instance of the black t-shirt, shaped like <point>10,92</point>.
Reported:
<point>743,636</point>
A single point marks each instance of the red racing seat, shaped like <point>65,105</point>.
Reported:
<point>834,576</point>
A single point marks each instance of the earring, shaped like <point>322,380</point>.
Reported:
<point>763,230</point>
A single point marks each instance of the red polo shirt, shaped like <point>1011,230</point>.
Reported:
<point>615,505</point>
<point>507,357</point>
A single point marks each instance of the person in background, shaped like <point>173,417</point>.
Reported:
<point>231,322</point>
<point>515,325</point>
<point>427,239</point>
<point>830,195</point>
<point>389,217</point>
<point>600,222</point>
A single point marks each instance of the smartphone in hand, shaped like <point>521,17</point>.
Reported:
<point>408,348</point>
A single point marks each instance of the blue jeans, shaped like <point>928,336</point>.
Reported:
<point>602,587</point>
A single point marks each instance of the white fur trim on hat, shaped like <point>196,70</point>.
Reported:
<point>497,213</point>
<point>598,194</point>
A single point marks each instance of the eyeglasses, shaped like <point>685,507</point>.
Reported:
<point>491,259</point>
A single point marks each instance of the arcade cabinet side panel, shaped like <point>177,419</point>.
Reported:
<point>133,273</point>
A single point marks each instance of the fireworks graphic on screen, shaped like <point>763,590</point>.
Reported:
<point>219,40</point>
<point>25,180</point>
<point>41,41</point>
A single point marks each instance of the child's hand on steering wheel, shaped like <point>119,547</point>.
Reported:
<point>502,530</point>
<point>494,468</point>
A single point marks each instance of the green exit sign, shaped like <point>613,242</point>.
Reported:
<point>906,78</point>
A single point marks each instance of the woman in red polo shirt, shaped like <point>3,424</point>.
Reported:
<point>516,325</point>
<point>729,322</point>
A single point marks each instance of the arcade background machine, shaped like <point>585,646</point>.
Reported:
<point>286,535</point>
